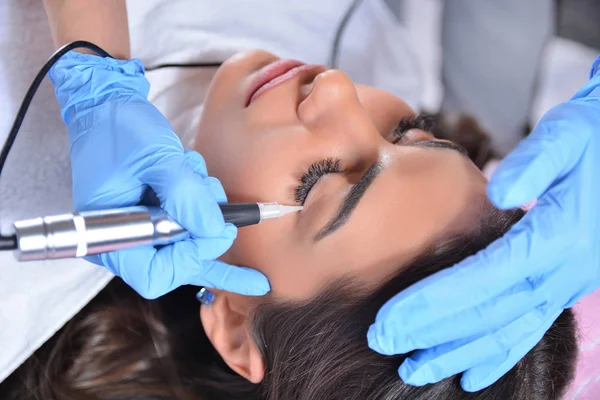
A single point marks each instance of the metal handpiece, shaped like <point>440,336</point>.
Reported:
<point>94,232</point>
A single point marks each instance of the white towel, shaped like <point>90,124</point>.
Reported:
<point>37,298</point>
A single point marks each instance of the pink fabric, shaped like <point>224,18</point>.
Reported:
<point>586,385</point>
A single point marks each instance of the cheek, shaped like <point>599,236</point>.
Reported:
<point>269,248</point>
<point>252,164</point>
<point>216,140</point>
<point>223,143</point>
<point>247,166</point>
<point>291,268</point>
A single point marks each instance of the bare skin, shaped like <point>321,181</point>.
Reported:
<point>259,153</point>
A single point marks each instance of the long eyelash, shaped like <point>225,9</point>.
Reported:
<point>312,176</point>
<point>423,122</point>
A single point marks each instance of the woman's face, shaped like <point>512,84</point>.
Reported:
<point>369,204</point>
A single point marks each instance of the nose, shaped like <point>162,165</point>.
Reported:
<point>333,108</point>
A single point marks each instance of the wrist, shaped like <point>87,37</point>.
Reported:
<point>102,22</point>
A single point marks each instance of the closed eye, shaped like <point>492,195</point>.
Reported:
<point>425,123</point>
<point>315,172</point>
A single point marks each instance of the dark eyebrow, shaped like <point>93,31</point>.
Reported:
<point>358,190</point>
<point>443,144</point>
<point>350,201</point>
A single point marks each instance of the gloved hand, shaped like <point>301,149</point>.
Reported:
<point>121,145</point>
<point>521,283</point>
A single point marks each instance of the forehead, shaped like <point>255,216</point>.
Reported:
<point>421,194</point>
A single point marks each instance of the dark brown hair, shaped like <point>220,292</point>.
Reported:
<point>123,347</point>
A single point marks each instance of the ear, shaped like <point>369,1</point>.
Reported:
<point>226,324</point>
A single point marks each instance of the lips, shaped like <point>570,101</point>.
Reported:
<point>274,74</point>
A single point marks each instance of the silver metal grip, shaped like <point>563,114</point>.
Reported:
<point>93,232</point>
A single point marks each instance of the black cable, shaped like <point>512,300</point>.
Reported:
<point>91,46</point>
<point>335,48</point>
<point>191,65</point>
<point>10,242</point>
<point>333,56</point>
<point>12,135</point>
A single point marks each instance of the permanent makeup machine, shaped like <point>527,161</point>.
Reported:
<point>93,232</point>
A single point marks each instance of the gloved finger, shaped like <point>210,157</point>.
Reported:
<point>440,362</point>
<point>138,268</point>
<point>213,248</point>
<point>202,253</point>
<point>506,263</point>
<point>219,275</point>
<point>216,189</point>
<point>387,337</point>
<point>185,196</point>
<point>484,375</point>
<point>548,153</point>
<point>196,162</point>
<point>153,272</point>
<point>198,165</point>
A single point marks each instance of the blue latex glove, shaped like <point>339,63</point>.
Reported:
<point>121,145</point>
<point>520,284</point>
